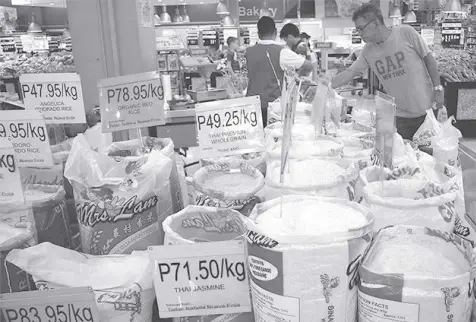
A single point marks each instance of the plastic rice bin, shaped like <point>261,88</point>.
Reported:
<point>321,146</point>
<point>274,132</point>
<point>197,224</point>
<point>122,284</point>
<point>256,160</point>
<point>121,202</point>
<point>303,259</point>
<point>397,201</point>
<point>326,177</point>
<point>233,184</point>
<point>418,274</point>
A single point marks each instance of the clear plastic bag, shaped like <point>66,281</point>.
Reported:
<point>428,130</point>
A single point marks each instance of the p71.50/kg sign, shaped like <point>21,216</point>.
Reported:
<point>131,102</point>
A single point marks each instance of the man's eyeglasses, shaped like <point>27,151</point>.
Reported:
<point>361,29</point>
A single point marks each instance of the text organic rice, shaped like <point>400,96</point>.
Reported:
<point>303,261</point>
<point>197,224</point>
<point>122,284</point>
<point>416,274</point>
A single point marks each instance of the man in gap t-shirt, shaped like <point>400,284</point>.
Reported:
<point>404,65</point>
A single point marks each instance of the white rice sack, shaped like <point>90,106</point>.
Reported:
<point>197,224</point>
<point>118,281</point>
<point>303,260</point>
<point>256,160</point>
<point>302,115</point>
<point>329,177</point>
<point>403,201</point>
<point>233,184</point>
<point>274,132</point>
<point>349,130</point>
<point>321,146</point>
<point>418,274</point>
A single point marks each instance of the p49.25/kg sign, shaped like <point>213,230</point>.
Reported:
<point>131,102</point>
<point>59,97</point>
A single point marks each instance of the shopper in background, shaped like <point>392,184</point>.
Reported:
<point>404,65</point>
<point>266,62</point>
<point>232,61</point>
<point>306,38</point>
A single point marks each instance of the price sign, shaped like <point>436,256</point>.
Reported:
<point>131,102</point>
<point>27,131</point>
<point>10,184</point>
<point>165,43</point>
<point>428,35</point>
<point>65,305</point>
<point>32,43</point>
<point>230,127</point>
<point>59,97</point>
<point>201,279</point>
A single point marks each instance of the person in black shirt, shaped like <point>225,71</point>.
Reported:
<point>232,61</point>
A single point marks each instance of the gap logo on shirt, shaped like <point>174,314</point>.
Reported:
<point>391,66</point>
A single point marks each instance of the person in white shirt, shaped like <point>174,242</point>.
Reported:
<point>266,63</point>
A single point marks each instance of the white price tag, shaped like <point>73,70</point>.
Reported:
<point>27,131</point>
<point>10,184</point>
<point>201,279</point>
<point>131,102</point>
<point>230,127</point>
<point>59,97</point>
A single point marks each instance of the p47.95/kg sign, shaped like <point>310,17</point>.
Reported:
<point>131,102</point>
<point>59,97</point>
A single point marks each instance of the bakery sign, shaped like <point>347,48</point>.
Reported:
<point>249,10</point>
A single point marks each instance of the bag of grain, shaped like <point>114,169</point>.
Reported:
<point>13,279</point>
<point>256,160</point>
<point>416,274</point>
<point>122,284</point>
<point>274,132</point>
<point>121,201</point>
<point>233,184</point>
<point>302,115</point>
<point>406,197</point>
<point>135,148</point>
<point>326,177</point>
<point>197,224</point>
<point>303,257</point>
<point>321,146</point>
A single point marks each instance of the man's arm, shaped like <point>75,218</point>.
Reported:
<point>290,60</point>
<point>358,68</point>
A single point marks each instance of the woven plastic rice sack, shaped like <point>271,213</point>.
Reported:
<point>349,130</point>
<point>417,274</point>
<point>122,284</point>
<point>45,209</point>
<point>256,160</point>
<point>232,184</point>
<point>321,146</point>
<point>134,148</point>
<point>303,260</point>
<point>121,201</point>
<point>425,134</point>
<point>330,177</point>
<point>13,279</point>
<point>446,144</point>
<point>197,224</point>
<point>403,199</point>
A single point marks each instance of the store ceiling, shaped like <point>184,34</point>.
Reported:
<point>181,2</point>
<point>40,3</point>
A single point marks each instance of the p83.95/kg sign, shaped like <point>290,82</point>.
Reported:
<point>131,102</point>
<point>59,97</point>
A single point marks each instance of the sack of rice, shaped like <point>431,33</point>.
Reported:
<point>13,279</point>
<point>197,224</point>
<point>233,184</point>
<point>256,160</point>
<point>404,199</point>
<point>303,258</point>
<point>136,148</point>
<point>121,202</point>
<point>321,146</point>
<point>122,284</point>
<point>416,274</point>
<point>45,209</point>
<point>327,177</point>
<point>302,115</point>
<point>350,130</point>
<point>274,132</point>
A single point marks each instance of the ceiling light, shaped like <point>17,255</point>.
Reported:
<point>164,16</point>
<point>185,16</point>
<point>34,26</point>
<point>177,17</point>
<point>66,33</point>
<point>395,12</point>
<point>409,17</point>
<point>453,5</point>
<point>227,21</point>
<point>222,9</point>
<point>156,19</point>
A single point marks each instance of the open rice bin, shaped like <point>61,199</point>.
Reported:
<point>302,116</point>
<point>13,279</point>
<point>324,177</point>
<point>197,224</point>
<point>122,284</point>
<point>320,146</point>
<point>45,209</point>
<point>419,274</point>
<point>256,160</point>
<point>274,132</point>
<point>404,198</point>
<point>303,259</point>
<point>121,201</point>
<point>233,184</point>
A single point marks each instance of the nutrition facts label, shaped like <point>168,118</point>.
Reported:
<point>372,309</point>
<point>271,307</point>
